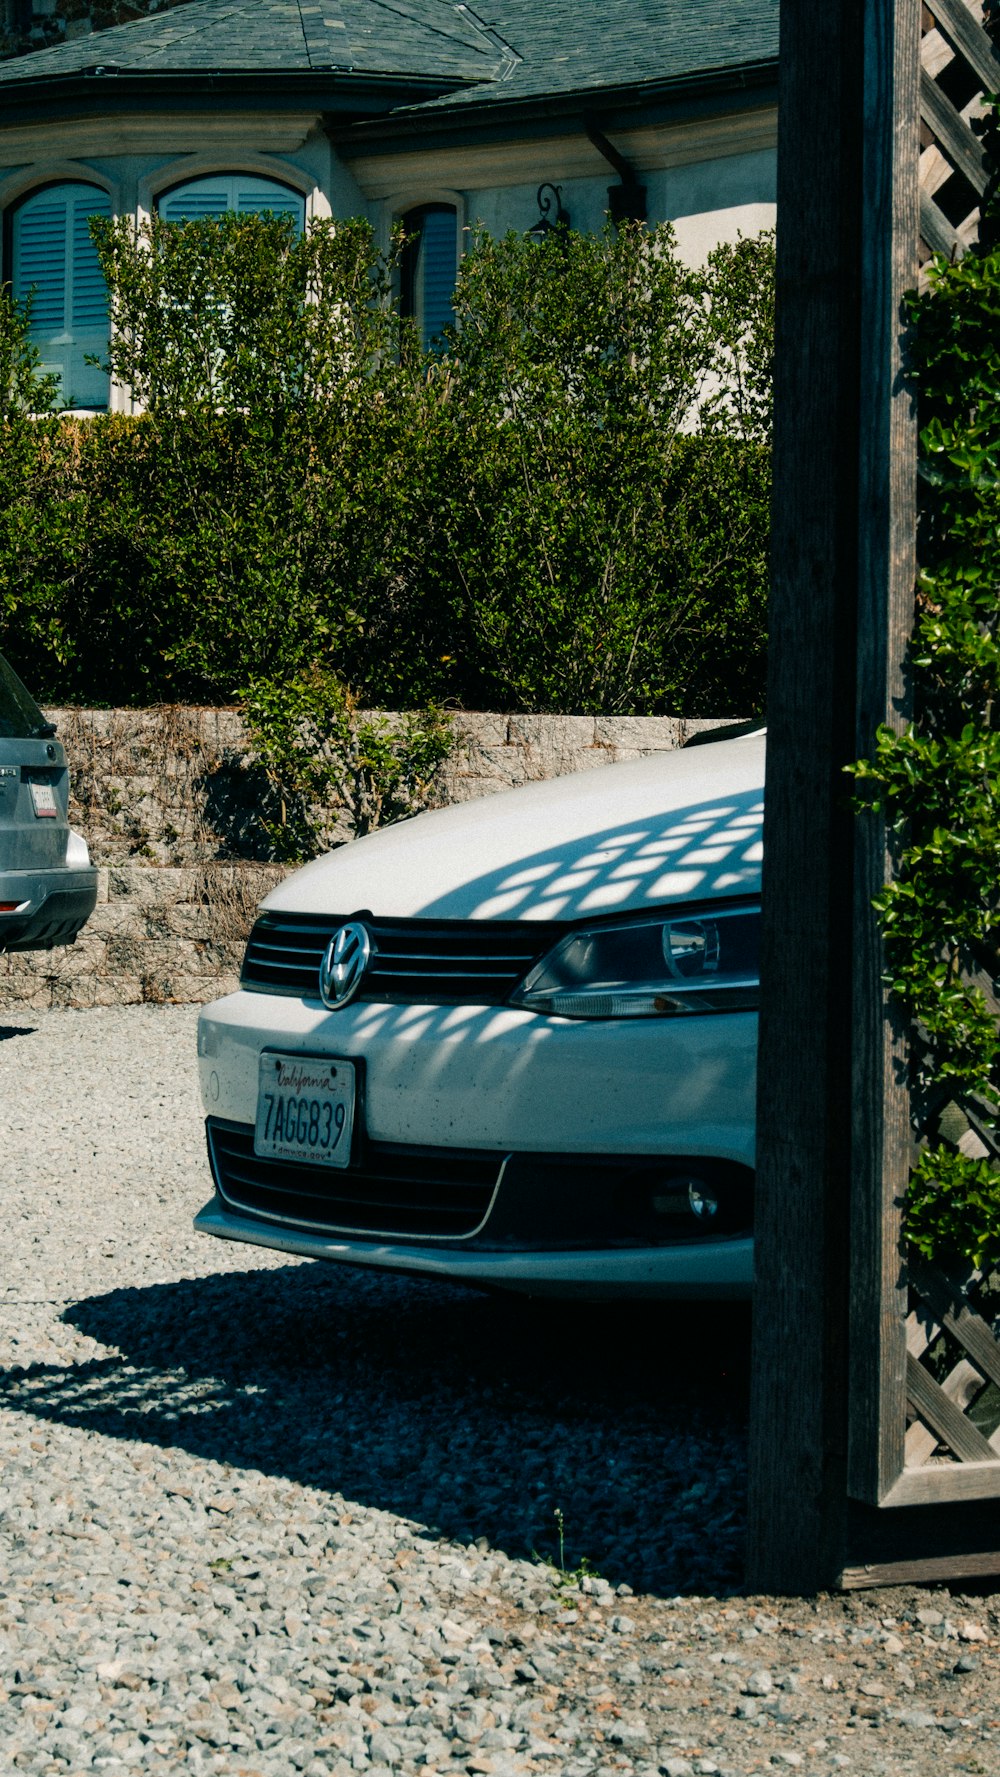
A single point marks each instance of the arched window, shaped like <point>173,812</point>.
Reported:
<point>220,193</point>
<point>427,270</point>
<point>53,259</point>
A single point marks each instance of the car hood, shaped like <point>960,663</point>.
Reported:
<point>678,826</point>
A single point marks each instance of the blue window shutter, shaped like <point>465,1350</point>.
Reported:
<point>239,192</point>
<point>438,242</point>
<point>89,307</point>
<point>428,269</point>
<point>189,205</point>
<point>54,255</point>
<point>40,259</point>
<point>281,204</point>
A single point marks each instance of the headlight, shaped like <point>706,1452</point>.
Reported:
<point>650,967</point>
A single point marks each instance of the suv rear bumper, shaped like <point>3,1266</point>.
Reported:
<point>52,906</point>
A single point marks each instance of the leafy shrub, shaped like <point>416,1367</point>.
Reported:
<point>591,553</point>
<point>40,498</point>
<point>330,764</point>
<point>740,298</point>
<point>569,511</point>
<point>245,313</point>
<point>939,781</point>
<point>254,486</point>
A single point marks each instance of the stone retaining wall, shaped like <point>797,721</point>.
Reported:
<point>158,934</point>
<point>167,801</point>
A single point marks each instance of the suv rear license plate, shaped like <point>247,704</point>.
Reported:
<point>305,1109</point>
<point>44,799</point>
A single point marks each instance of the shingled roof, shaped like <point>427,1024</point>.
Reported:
<point>509,49</point>
<point>568,46</point>
<point>421,37</point>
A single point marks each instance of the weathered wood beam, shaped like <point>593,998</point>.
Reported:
<point>953,133</point>
<point>842,576</point>
<point>945,1417</point>
<point>952,1483</point>
<point>964,33</point>
<point>881,1137</point>
<point>937,231</point>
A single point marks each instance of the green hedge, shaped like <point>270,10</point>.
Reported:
<point>567,512</point>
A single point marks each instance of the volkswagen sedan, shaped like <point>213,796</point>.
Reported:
<point>510,1042</point>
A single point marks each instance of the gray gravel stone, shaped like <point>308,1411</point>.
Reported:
<point>759,1683</point>
<point>259,1517</point>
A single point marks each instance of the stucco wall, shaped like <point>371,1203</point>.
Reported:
<point>709,182</point>
<point>720,172</point>
<point>166,800</point>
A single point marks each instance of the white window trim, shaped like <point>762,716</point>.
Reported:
<point>57,172</point>
<point>253,166</point>
<point>394,208</point>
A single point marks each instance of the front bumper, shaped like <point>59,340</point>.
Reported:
<point>51,906</point>
<point>551,1094</point>
<point>721,1269</point>
<point>502,1079</point>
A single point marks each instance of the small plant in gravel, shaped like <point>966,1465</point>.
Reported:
<point>561,1574</point>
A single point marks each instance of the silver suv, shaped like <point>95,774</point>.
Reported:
<point>48,886</point>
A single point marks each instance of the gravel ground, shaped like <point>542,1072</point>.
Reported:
<point>260,1517</point>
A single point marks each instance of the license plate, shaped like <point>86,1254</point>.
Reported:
<point>44,799</point>
<point>305,1109</point>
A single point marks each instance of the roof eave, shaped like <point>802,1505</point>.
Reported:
<point>634,104</point>
<point>340,92</point>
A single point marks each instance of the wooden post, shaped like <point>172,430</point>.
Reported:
<point>882,1142</point>
<point>842,576</point>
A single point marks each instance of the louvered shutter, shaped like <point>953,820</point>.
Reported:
<point>54,256</point>
<point>238,192</point>
<point>428,269</point>
<point>281,203</point>
<point>89,293</point>
<point>192,204</point>
<point>438,241</point>
<point>40,260</point>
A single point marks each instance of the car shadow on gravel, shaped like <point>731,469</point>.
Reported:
<point>473,1415</point>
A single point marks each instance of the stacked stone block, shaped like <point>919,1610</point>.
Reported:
<point>164,798</point>
<point>157,935</point>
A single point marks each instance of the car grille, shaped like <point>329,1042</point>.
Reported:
<point>454,961</point>
<point>399,1191</point>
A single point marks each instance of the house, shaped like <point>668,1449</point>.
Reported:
<point>516,115</point>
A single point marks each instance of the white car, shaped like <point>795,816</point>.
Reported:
<point>510,1042</point>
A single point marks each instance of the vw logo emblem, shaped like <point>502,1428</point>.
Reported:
<point>344,963</point>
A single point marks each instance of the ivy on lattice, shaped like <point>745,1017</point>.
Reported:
<point>938,782</point>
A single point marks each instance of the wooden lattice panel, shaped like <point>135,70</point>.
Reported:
<point>953,1327</point>
<point>952,1372</point>
<point>952,1353</point>
<point>959,64</point>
